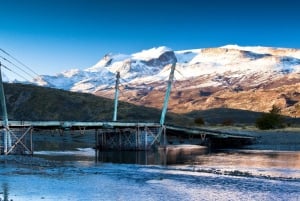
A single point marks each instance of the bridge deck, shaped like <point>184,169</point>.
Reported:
<point>65,125</point>
<point>209,132</point>
<point>123,135</point>
<point>76,125</point>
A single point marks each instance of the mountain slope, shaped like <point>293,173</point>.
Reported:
<point>29,102</point>
<point>34,103</point>
<point>248,78</point>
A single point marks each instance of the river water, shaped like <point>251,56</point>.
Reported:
<point>83,174</point>
<point>61,170</point>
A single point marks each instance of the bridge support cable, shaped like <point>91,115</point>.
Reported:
<point>19,68</point>
<point>18,61</point>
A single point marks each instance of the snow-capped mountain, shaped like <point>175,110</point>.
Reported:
<point>102,74</point>
<point>200,74</point>
<point>152,65</point>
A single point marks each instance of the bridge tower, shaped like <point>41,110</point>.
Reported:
<point>19,137</point>
<point>116,96</point>
<point>162,132</point>
<point>167,95</point>
<point>6,133</point>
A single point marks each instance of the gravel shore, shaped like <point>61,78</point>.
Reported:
<point>279,140</point>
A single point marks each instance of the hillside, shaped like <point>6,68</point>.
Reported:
<point>233,77</point>
<point>29,102</point>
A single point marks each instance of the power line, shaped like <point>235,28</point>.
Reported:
<point>19,62</point>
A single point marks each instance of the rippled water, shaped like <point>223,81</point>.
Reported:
<point>84,175</point>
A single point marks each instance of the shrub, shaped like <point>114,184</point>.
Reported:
<point>199,121</point>
<point>227,122</point>
<point>272,120</point>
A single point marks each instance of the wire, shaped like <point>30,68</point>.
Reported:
<point>16,66</point>
<point>19,61</point>
<point>7,68</point>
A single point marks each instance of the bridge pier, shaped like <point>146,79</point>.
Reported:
<point>138,138</point>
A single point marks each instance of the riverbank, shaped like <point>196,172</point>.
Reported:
<point>287,139</point>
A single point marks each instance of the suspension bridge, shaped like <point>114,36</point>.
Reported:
<point>17,137</point>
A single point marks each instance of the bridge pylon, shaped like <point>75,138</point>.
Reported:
<point>7,144</point>
<point>116,96</point>
<point>162,131</point>
<point>6,134</point>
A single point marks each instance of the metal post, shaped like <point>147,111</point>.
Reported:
<point>120,140</point>
<point>167,96</point>
<point>136,137</point>
<point>146,133</point>
<point>96,139</point>
<point>96,145</point>
<point>116,96</point>
<point>31,142</point>
<point>7,137</point>
<point>165,136</point>
<point>102,139</point>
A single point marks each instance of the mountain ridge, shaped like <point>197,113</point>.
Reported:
<point>223,74</point>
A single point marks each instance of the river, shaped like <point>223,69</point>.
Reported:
<point>81,174</point>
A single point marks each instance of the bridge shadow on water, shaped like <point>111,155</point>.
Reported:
<point>161,156</point>
<point>79,147</point>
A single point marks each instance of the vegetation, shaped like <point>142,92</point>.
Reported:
<point>219,116</point>
<point>271,120</point>
<point>199,121</point>
<point>34,103</point>
<point>227,122</point>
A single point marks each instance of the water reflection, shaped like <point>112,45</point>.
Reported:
<point>257,159</point>
<point>5,190</point>
<point>129,157</point>
<point>162,156</point>
<point>240,163</point>
<point>179,156</point>
<point>236,159</point>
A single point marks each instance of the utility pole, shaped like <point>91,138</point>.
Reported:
<point>7,137</point>
<point>116,96</point>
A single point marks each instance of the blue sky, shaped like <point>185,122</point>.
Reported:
<point>50,36</point>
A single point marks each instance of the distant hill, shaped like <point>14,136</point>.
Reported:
<point>30,102</point>
<point>34,103</point>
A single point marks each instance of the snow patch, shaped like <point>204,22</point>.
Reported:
<point>152,53</point>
